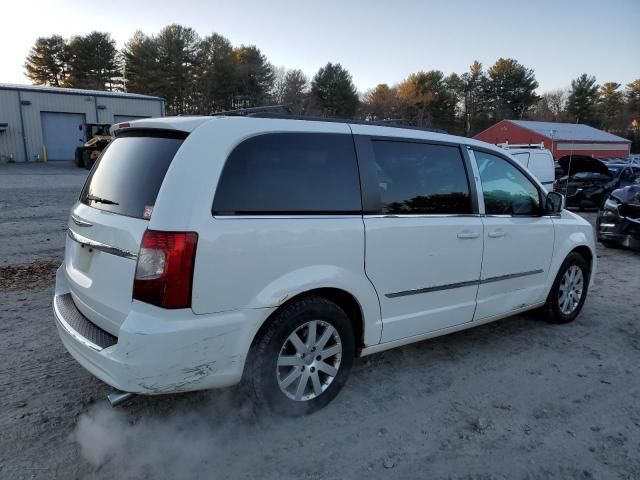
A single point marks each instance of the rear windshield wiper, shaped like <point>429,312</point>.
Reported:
<point>106,201</point>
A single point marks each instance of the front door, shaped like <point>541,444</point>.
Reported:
<point>424,243</point>
<point>518,238</point>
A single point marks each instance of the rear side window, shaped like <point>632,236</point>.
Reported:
<point>419,178</point>
<point>290,173</point>
<point>128,175</point>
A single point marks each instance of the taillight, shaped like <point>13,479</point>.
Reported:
<point>164,272</point>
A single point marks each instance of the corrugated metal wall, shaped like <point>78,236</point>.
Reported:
<point>97,109</point>
<point>11,139</point>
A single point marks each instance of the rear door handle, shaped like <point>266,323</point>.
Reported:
<point>468,234</point>
<point>497,234</point>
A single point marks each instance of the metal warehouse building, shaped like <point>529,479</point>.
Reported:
<point>561,138</point>
<point>34,119</point>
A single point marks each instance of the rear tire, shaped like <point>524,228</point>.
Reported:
<point>569,290</point>
<point>292,371</point>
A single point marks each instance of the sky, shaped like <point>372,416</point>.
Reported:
<point>377,41</point>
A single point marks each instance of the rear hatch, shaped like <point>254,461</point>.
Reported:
<point>107,224</point>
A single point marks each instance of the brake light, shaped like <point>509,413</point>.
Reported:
<point>124,125</point>
<point>164,272</point>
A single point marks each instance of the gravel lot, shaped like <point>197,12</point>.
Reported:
<point>514,399</point>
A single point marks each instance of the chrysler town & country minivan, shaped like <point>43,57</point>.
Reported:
<point>208,251</point>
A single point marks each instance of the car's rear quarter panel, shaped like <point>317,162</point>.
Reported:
<point>259,262</point>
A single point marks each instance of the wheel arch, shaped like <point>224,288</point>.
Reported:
<point>586,253</point>
<point>345,300</point>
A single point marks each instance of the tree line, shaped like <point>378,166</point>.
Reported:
<point>203,75</point>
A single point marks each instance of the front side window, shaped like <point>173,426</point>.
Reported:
<point>290,173</point>
<point>420,178</point>
<point>506,190</point>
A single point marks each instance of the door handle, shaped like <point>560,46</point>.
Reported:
<point>497,234</point>
<point>468,234</point>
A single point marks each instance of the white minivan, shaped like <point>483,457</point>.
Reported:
<point>207,251</point>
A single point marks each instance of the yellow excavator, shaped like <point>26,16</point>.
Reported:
<point>96,138</point>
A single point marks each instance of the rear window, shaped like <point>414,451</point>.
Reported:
<point>290,173</point>
<point>128,175</point>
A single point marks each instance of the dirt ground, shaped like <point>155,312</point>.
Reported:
<point>514,399</point>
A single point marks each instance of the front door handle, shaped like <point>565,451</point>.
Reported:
<point>468,234</point>
<point>497,234</point>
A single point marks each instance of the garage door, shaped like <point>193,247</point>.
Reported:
<point>126,118</point>
<point>60,134</point>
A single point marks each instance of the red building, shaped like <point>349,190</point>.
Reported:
<point>561,138</point>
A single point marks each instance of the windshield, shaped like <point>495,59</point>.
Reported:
<point>128,175</point>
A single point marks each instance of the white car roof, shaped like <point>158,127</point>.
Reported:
<point>190,123</point>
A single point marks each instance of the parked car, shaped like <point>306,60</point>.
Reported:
<point>205,251</point>
<point>537,159</point>
<point>619,218</point>
<point>589,181</point>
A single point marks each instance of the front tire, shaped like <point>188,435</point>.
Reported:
<point>303,358</point>
<point>569,290</point>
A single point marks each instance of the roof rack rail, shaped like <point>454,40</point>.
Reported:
<point>508,145</point>
<point>242,112</point>
<point>383,123</point>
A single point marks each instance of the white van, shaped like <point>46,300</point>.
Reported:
<point>537,159</point>
<point>207,251</point>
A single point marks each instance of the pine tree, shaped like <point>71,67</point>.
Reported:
<point>583,100</point>
<point>48,62</point>
<point>511,89</point>
<point>333,92</point>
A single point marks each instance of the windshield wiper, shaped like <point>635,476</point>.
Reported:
<point>106,201</point>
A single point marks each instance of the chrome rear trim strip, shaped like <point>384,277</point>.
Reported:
<point>510,276</point>
<point>470,283</point>
<point>80,222</point>
<point>103,247</point>
<point>432,289</point>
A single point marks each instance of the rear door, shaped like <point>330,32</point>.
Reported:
<point>423,234</point>
<point>107,224</point>
<point>518,238</point>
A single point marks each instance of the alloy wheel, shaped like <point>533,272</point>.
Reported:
<point>571,289</point>
<point>309,360</point>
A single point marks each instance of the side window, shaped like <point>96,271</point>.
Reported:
<point>506,190</point>
<point>290,173</point>
<point>419,178</point>
<point>627,175</point>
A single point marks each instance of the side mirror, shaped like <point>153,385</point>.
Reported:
<point>555,202</point>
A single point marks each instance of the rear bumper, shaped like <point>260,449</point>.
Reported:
<point>163,351</point>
